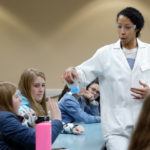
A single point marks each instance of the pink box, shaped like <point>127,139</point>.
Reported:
<point>43,136</point>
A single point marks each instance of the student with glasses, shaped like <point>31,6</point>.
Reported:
<point>123,70</point>
<point>82,106</point>
<point>93,88</point>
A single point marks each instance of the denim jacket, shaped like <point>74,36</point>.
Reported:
<point>16,136</point>
<point>76,110</point>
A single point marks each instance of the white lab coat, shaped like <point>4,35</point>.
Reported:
<point>119,111</point>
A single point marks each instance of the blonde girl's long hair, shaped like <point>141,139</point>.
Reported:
<point>7,90</point>
<point>26,80</point>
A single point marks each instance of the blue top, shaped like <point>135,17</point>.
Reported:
<point>76,110</point>
<point>24,101</point>
<point>15,136</point>
<point>131,62</point>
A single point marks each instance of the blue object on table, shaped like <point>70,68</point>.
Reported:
<point>91,139</point>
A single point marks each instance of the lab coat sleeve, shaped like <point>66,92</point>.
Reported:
<point>91,68</point>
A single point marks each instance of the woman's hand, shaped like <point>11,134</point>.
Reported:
<point>78,129</point>
<point>140,93</point>
<point>70,74</point>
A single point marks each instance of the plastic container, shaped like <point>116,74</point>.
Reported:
<point>43,136</point>
<point>74,87</point>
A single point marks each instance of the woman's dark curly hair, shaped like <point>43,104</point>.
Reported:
<point>135,16</point>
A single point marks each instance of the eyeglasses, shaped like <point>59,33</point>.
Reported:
<point>94,90</point>
<point>125,27</point>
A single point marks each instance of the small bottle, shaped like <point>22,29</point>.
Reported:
<point>74,87</point>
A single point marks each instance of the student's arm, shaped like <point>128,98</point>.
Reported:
<point>3,145</point>
<point>56,129</point>
<point>92,109</point>
<point>15,133</point>
<point>72,107</point>
<point>71,128</point>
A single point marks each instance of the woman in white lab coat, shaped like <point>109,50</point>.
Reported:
<point>123,69</point>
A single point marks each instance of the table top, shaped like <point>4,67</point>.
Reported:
<point>91,139</point>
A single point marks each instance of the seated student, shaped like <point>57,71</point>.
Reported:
<point>32,91</point>
<point>140,139</point>
<point>93,88</point>
<point>80,107</point>
<point>14,135</point>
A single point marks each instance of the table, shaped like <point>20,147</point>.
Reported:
<point>91,139</point>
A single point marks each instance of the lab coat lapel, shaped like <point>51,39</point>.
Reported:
<point>139,57</point>
<point>120,55</point>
